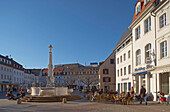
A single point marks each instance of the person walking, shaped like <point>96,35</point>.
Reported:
<point>143,95</point>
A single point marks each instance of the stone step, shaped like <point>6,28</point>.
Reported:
<point>50,99</point>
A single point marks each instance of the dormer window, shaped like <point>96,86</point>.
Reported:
<point>138,8</point>
<point>146,2</point>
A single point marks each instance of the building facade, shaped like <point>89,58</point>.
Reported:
<point>162,70</point>
<point>75,76</point>
<point>123,52</point>
<point>150,32</point>
<point>107,76</point>
<point>11,73</point>
<point>29,78</point>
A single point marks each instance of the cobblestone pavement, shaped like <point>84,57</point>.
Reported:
<point>80,106</point>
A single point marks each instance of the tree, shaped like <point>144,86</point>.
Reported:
<point>70,80</point>
<point>89,80</point>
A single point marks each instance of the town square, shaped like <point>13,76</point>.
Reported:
<point>85,56</point>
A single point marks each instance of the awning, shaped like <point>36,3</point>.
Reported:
<point>7,84</point>
<point>143,72</point>
<point>161,69</point>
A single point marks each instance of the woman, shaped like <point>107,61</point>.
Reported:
<point>126,98</point>
<point>132,92</point>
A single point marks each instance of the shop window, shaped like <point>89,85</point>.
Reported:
<point>164,83</point>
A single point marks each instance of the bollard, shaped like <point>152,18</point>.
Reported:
<point>64,100</point>
<point>18,101</point>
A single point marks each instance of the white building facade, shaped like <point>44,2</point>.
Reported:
<point>11,73</point>
<point>123,52</point>
<point>162,70</point>
<point>150,32</point>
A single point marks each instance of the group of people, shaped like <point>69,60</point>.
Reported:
<point>19,93</point>
<point>129,95</point>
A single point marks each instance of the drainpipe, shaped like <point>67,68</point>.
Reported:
<point>154,15</point>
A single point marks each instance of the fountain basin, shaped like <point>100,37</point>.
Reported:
<point>50,91</point>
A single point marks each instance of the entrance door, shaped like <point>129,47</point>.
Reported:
<point>118,88</point>
<point>125,87</point>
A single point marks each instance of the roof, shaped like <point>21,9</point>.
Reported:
<point>124,36</point>
<point>143,7</point>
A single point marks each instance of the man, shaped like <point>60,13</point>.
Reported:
<point>142,95</point>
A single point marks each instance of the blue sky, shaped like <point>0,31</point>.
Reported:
<point>83,30</point>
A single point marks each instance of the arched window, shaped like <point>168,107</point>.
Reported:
<point>138,57</point>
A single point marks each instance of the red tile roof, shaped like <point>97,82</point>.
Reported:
<point>143,7</point>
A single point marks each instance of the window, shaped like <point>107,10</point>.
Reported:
<point>117,60</point>
<point>129,54</point>
<point>124,70</point>
<point>105,71</point>
<point>1,76</point>
<point>127,42</point>
<point>138,9</point>
<point>148,25</point>
<point>146,2</point>
<point>118,73</point>
<point>112,61</point>
<point>137,32</point>
<point>163,47</point>
<point>120,58</point>
<point>121,71</point>
<point>138,57</point>
<point>124,57</point>
<point>129,69</point>
<point>106,79</point>
<point>147,51</point>
<point>162,20</point>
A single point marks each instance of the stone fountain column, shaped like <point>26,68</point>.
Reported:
<point>50,77</point>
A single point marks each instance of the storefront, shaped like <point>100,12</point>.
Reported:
<point>5,84</point>
<point>163,79</point>
<point>143,77</point>
<point>125,85</point>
